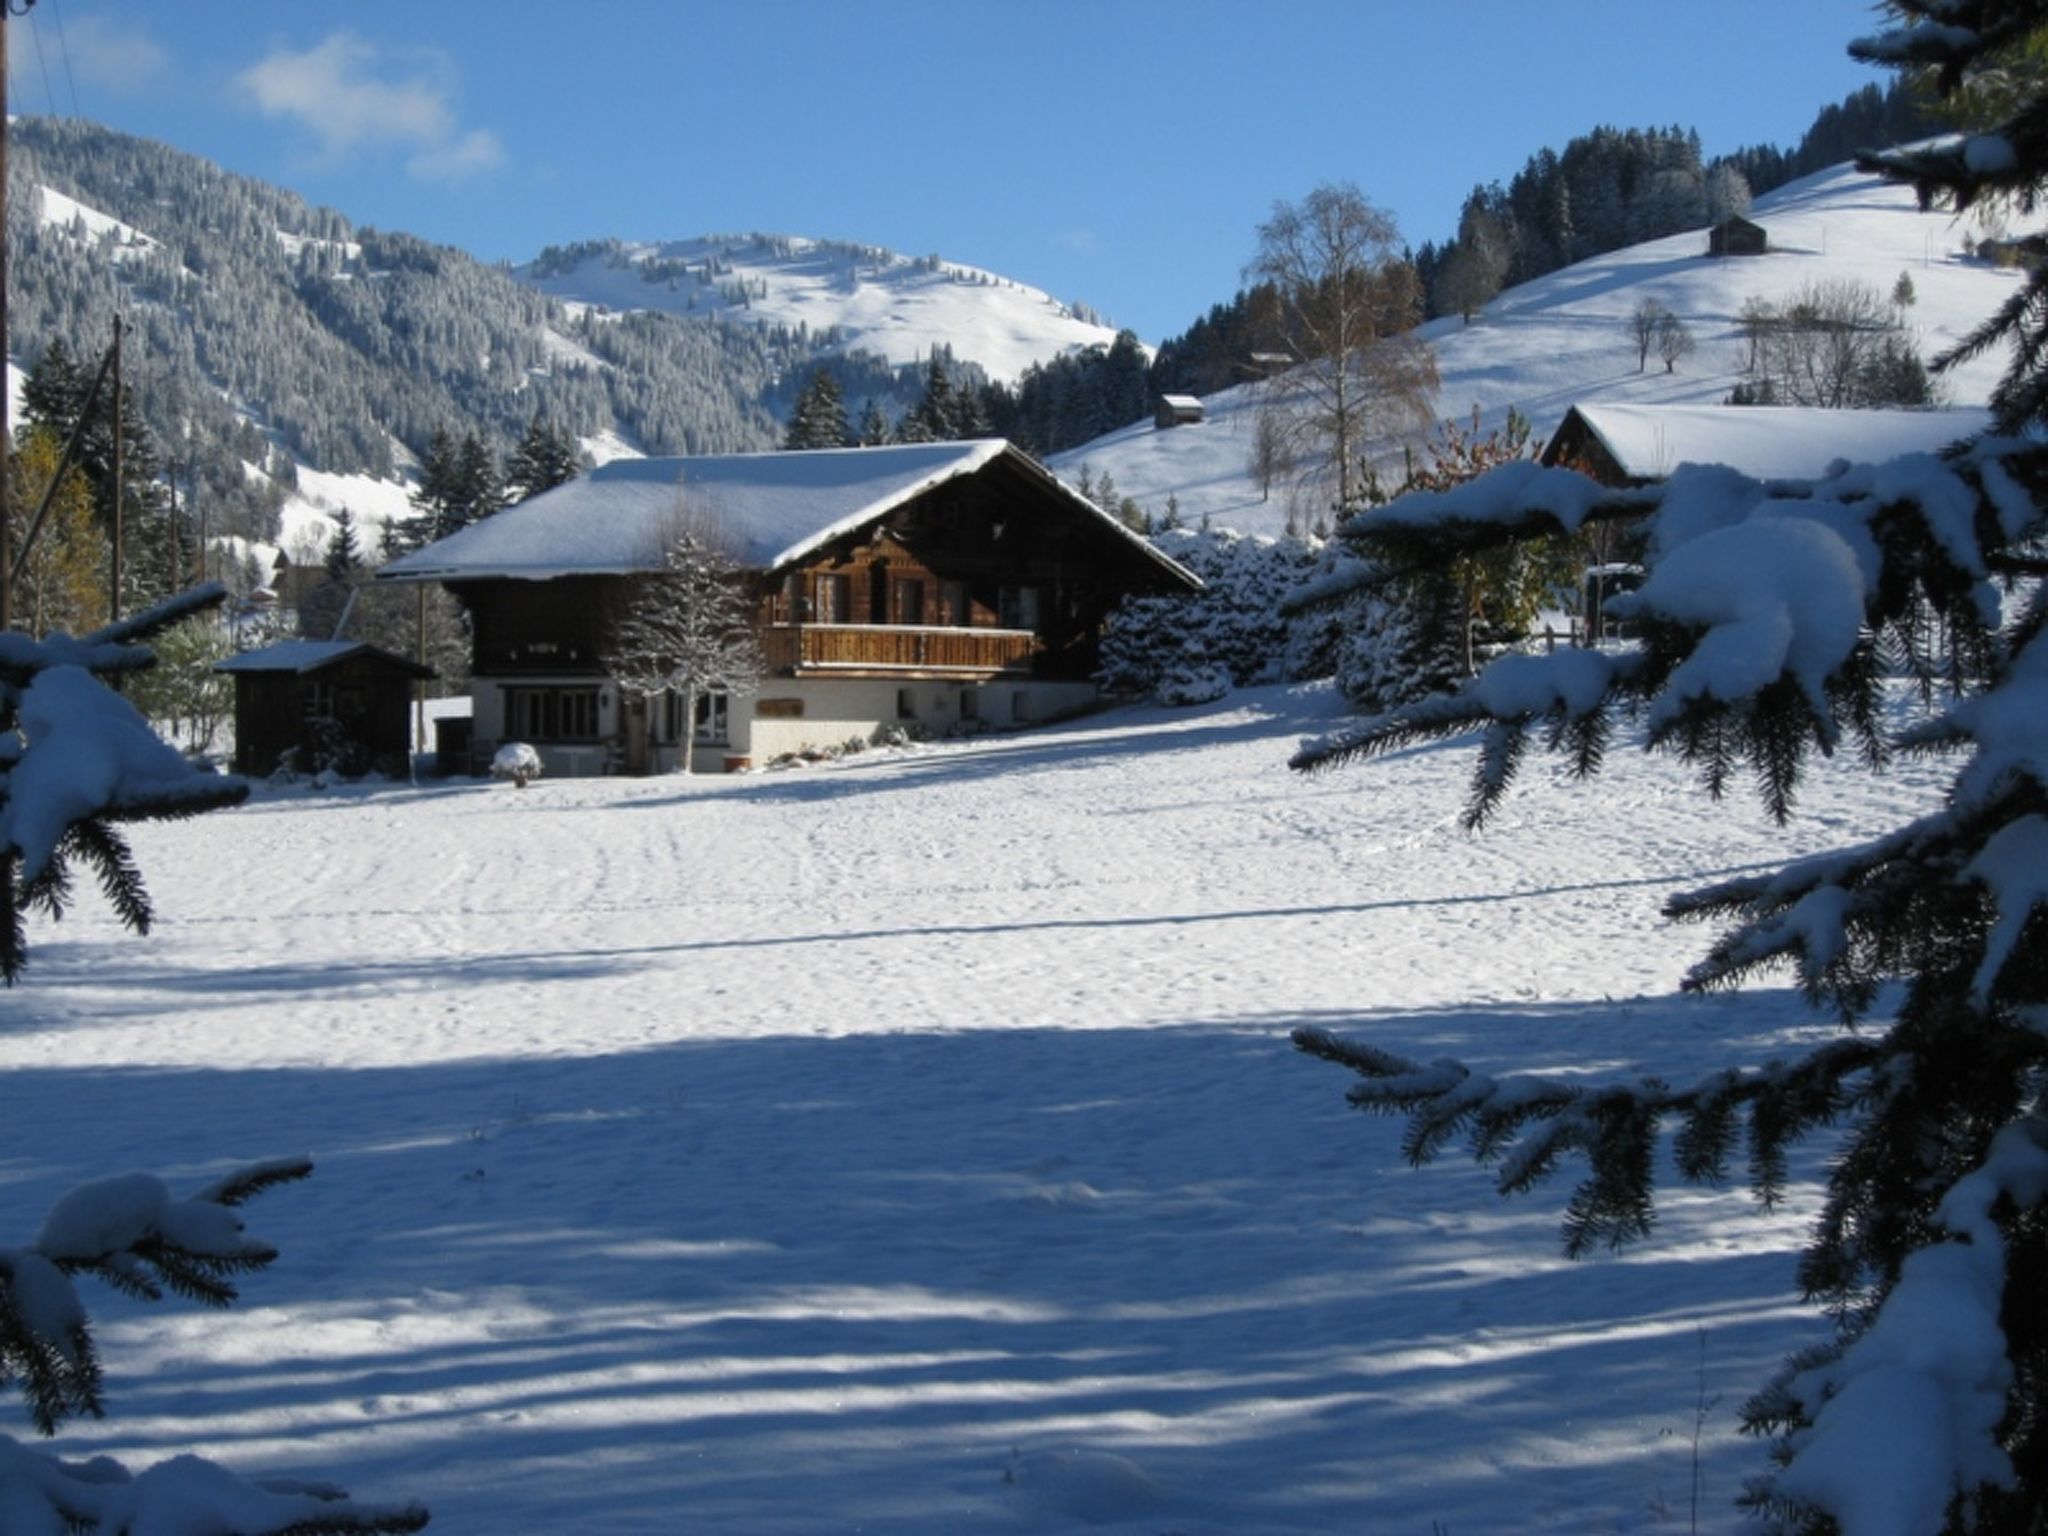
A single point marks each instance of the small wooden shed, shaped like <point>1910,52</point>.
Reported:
<point>322,698</point>
<point>1177,411</point>
<point>1737,236</point>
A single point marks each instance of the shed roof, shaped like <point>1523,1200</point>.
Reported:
<point>1768,442</point>
<point>775,508</point>
<point>311,655</point>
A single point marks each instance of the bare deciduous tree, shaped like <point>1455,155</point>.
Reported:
<point>1674,340</point>
<point>1643,323</point>
<point>688,630</point>
<point>1348,304</point>
<point>1838,344</point>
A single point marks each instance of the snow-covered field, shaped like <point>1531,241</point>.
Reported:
<point>914,1146</point>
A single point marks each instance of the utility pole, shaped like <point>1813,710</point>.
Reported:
<point>6,449</point>
<point>9,8</point>
<point>114,581</point>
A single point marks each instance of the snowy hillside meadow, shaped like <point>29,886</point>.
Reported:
<point>1563,340</point>
<point>913,1144</point>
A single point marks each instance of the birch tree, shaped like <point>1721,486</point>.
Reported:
<point>1348,305</point>
<point>689,629</point>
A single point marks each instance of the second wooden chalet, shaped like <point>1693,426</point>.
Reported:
<point>1636,444</point>
<point>932,586</point>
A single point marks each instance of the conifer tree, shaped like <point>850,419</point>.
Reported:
<point>935,416</point>
<point>57,398</point>
<point>477,490</point>
<point>1768,617</point>
<point>542,459</point>
<point>819,420</point>
<point>874,426</point>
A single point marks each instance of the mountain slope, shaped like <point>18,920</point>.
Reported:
<point>1564,338</point>
<point>267,334</point>
<point>840,296</point>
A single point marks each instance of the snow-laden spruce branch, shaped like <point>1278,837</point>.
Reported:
<point>1767,613</point>
<point>76,759</point>
<point>1527,1125</point>
<point>132,1233</point>
<point>1768,621</point>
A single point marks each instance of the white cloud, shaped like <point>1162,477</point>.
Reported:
<point>351,98</point>
<point>121,59</point>
<point>474,153</point>
<point>93,54</point>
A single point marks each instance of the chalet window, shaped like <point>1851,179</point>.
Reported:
<point>1020,607</point>
<point>714,719</point>
<point>954,607</point>
<point>319,698</point>
<point>970,704</point>
<point>909,602</point>
<point>835,600</point>
<point>551,714</point>
<point>906,704</point>
<point>1020,707</point>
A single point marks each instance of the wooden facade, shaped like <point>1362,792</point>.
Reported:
<point>997,574</point>
<point>315,700</point>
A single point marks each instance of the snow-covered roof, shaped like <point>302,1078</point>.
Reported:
<point>1766,442</point>
<point>772,508</point>
<point>308,656</point>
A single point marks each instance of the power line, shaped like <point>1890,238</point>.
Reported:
<point>42,65</point>
<point>64,53</point>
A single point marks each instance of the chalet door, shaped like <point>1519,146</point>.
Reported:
<point>635,707</point>
<point>878,592</point>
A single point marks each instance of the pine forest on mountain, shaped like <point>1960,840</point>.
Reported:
<point>272,333</point>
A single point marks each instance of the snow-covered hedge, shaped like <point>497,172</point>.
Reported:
<point>1234,628</point>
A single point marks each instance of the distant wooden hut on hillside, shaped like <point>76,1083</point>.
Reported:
<point>1177,411</point>
<point>1737,236</point>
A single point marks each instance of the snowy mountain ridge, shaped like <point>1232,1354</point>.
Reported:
<point>844,295</point>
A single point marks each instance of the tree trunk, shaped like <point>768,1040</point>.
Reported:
<point>689,728</point>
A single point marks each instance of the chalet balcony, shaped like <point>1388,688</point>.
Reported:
<point>792,650</point>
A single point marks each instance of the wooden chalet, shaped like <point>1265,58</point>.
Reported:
<point>1737,236</point>
<point>1177,411</point>
<point>309,697</point>
<point>934,586</point>
<point>1624,445</point>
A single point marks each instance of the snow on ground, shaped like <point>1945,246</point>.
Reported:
<point>913,1145</point>
<point>55,210</point>
<point>1564,339</point>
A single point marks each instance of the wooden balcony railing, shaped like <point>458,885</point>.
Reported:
<point>794,648</point>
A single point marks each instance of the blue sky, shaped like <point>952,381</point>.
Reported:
<point>1116,152</point>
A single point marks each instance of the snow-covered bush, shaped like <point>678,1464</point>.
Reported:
<point>1200,683</point>
<point>516,762</point>
<point>75,760</point>
<point>1234,625</point>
